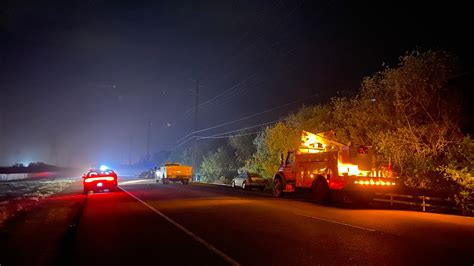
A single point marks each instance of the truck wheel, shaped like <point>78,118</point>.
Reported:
<point>184,182</point>
<point>320,191</point>
<point>278,188</point>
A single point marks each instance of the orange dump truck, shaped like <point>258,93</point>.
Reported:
<point>331,170</point>
<point>174,172</point>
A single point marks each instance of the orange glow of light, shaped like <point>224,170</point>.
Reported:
<point>312,143</point>
<point>350,169</point>
<point>372,183</point>
<point>92,179</point>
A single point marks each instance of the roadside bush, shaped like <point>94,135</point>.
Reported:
<point>217,165</point>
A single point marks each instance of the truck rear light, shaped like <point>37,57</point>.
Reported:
<point>376,183</point>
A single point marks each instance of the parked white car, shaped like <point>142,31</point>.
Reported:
<point>249,180</point>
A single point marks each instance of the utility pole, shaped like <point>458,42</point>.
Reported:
<point>2,134</point>
<point>148,142</point>
<point>130,150</point>
<point>54,150</point>
<point>3,126</point>
<point>195,122</point>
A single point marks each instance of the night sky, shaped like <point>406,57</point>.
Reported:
<point>80,80</point>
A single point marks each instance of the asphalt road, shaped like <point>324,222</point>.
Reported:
<point>148,223</point>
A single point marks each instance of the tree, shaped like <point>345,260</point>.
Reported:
<point>460,170</point>
<point>219,165</point>
<point>285,136</point>
<point>183,156</point>
<point>409,113</point>
<point>244,148</point>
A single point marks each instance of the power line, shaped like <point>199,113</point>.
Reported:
<point>242,85</point>
<point>262,35</point>
<point>228,97</point>
<point>288,51</point>
<point>285,18</point>
<point>238,42</point>
<point>231,136</point>
<point>244,118</point>
<point>224,92</point>
<point>270,50</point>
<point>220,135</point>
<point>245,128</point>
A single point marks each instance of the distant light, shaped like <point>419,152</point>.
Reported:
<point>103,168</point>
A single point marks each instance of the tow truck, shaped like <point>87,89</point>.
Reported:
<point>331,170</point>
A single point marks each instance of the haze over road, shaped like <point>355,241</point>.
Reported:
<point>210,225</point>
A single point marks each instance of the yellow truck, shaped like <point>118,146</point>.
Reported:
<point>174,172</point>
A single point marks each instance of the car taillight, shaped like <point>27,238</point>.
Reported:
<point>92,179</point>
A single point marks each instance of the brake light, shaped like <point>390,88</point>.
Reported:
<point>92,179</point>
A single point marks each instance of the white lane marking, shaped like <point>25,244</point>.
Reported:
<point>334,222</point>
<point>191,234</point>
<point>134,181</point>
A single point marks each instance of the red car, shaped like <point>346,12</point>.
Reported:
<point>96,180</point>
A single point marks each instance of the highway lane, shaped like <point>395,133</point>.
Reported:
<point>254,228</point>
<point>210,225</point>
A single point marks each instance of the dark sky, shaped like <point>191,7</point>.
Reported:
<point>80,80</point>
